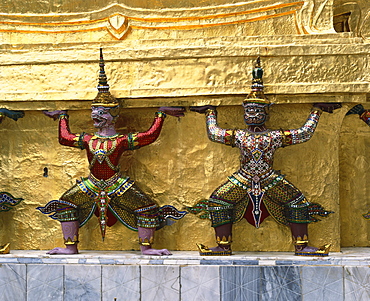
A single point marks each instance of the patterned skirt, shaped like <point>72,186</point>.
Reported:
<point>125,203</point>
<point>232,201</point>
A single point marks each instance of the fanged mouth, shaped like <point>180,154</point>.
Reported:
<point>254,119</point>
<point>97,120</point>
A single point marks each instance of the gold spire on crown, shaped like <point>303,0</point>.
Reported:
<point>256,95</point>
<point>104,98</point>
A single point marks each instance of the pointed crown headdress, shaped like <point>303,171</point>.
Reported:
<point>104,98</point>
<point>256,95</point>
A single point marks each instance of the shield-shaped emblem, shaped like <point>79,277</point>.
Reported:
<point>118,26</point>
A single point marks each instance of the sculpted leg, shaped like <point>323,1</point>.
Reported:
<point>146,238</point>
<point>223,235</point>
<point>300,240</point>
<point>70,235</point>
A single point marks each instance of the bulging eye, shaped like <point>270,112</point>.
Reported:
<point>101,112</point>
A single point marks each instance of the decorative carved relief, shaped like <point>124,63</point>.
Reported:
<point>213,78</point>
<point>118,26</point>
<point>236,78</point>
<point>305,16</point>
<point>117,19</point>
<point>155,79</point>
<point>353,16</point>
<point>315,17</point>
<point>218,78</point>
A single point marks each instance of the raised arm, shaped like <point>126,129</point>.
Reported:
<point>137,140</point>
<point>65,136</point>
<point>215,133</point>
<point>305,133</point>
<point>361,112</point>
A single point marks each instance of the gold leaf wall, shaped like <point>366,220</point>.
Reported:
<point>184,53</point>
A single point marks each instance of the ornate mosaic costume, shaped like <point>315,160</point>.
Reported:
<point>7,201</point>
<point>256,190</point>
<point>105,191</point>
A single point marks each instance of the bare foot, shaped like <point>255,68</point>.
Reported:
<point>218,249</point>
<point>308,249</point>
<point>157,252</point>
<point>64,251</point>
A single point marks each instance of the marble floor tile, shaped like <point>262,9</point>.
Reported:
<point>200,283</point>
<point>322,283</point>
<point>240,283</point>
<point>160,283</point>
<point>280,283</point>
<point>251,276</point>
<point>121,282</point>
<point>357,283</point>
<point>82,282</point>
<point>12,282</point>
<point>45,282</point>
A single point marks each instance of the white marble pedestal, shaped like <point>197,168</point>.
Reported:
<point>185,276</point>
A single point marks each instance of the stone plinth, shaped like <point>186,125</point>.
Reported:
<point>113,275</point>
